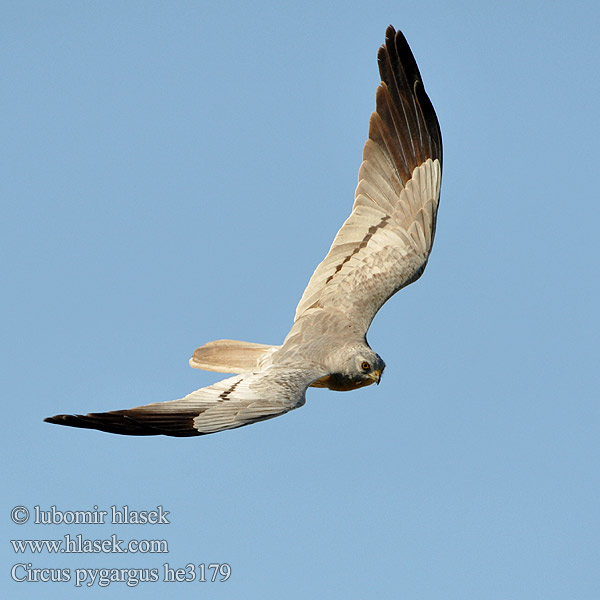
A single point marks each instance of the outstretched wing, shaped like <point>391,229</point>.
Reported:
<point>385,243</point>
<point>227,404</point>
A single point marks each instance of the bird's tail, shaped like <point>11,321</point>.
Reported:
<point>231,356</point>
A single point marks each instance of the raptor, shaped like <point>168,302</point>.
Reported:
<point>383,246</point>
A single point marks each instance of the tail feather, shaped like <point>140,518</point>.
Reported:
<point>231,356</point>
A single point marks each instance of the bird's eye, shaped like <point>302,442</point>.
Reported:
<point>365,366</point>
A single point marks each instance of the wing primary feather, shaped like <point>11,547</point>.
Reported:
<point>122,422</point>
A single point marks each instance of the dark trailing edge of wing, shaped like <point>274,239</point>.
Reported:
<point>133,422</point>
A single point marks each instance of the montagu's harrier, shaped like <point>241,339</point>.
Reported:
<point>383,246</point>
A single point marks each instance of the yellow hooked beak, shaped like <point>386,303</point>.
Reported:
<point>376,376</point>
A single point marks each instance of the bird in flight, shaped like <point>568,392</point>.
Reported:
<point>383,246</point>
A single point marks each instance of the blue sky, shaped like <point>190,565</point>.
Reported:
<point>173,172</point>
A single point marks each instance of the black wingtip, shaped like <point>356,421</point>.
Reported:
<point>122,422</point>
<point>390,33</point>
<point>398,65</point>
<point>81,421</point>
<point>56,419</point>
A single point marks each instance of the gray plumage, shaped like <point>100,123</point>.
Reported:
<point>383,246</point>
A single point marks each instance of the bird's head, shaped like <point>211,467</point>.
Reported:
<point>365,366</point>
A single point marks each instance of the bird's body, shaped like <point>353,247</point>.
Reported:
<point>383,246</point>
